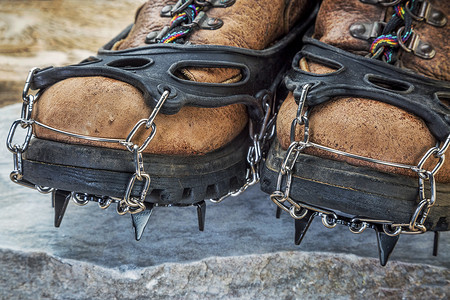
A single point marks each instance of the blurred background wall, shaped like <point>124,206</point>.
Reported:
<point>40,33</point>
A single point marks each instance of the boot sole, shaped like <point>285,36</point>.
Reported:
<point>354,190</point>
<point>106,172</point>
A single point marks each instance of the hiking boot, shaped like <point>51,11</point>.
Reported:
<point>361,138</point>
<point>170,112</point>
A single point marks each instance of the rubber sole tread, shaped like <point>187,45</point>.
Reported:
<point>354,190</point>
<point>105,171</point>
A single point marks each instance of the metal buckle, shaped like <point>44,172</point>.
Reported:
<point>415,45</point>
<point>367,31</point>
<point>202,21</point>
<point>156,36</point>
<point>424,10</point>
<point>169,11</point>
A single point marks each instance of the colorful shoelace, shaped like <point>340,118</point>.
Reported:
<point>177,32</point>
<point>387,44</point>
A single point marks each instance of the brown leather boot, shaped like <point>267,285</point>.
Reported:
<point>160,116</point>
<point>376,111</point>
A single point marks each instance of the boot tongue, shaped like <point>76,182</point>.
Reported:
<point>149,21</point>
<point>172,22</point>
<point>246,24</point>
<point>251,24</point>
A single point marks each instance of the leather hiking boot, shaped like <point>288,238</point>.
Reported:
<point>170,112</point>
<point>362,136</point>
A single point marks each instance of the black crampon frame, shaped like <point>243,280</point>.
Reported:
<point>153,69</point>
<point>371,199</point>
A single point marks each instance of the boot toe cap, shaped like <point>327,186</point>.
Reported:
<point>104,107</point>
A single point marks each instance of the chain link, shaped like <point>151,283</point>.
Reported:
<point>259,140</point>
<point>129,204</point>
<point>292,153</point>
<point>25,123</point>
<point>330,219</point>
<point>426,202</point>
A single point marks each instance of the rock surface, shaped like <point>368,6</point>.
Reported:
<point>281,275</point>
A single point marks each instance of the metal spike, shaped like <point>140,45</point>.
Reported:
<point>386,245</point>
<point>201,214</point>
<point>278,213</point>
<point>60,199</point>
<point>436,243</point>
<point>302,225</point>
<point>140,220</point>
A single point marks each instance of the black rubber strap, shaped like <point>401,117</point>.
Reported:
<point>357,76</point>
<point>152,69</point>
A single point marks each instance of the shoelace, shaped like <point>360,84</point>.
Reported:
<point>177,33</point>
<point>387,44</point>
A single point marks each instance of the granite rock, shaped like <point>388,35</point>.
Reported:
<point>281,275</point>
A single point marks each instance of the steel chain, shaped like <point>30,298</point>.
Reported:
<point>292,153</point>
<point>129,204</point>
<point>296,210</point>
<point>254,154</point>
<point>25,123</point>
<point>425,203</point>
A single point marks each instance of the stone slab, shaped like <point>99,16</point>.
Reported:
<point>280,275</point>
<point>243,252</point>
